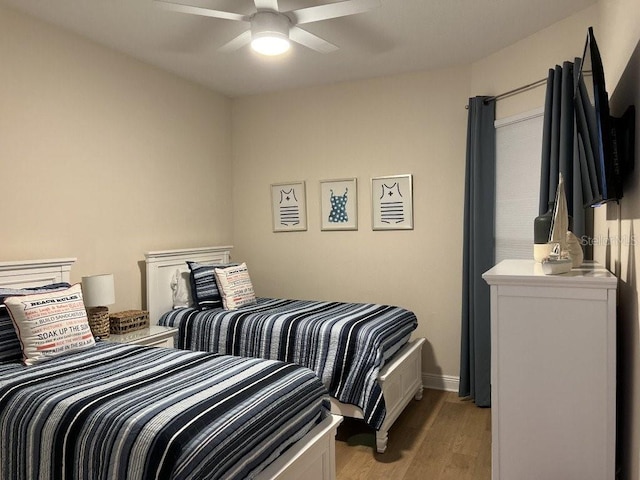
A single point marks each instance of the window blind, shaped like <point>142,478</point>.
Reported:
<point>518,153</point>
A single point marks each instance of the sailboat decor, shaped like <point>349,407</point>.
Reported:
<point>559,260</point>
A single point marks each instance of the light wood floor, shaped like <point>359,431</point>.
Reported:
<point>438,437</point>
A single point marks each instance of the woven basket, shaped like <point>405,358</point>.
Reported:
<point>128,321</point>
<point>99,321</point>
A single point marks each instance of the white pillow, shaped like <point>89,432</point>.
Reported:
<point>50,324</point>
<point>181,288</point>
<point>235,286</point>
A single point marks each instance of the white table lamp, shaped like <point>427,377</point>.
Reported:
<point>98,291</point>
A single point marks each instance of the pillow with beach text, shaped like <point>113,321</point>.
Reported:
<point>50,324</point>
<point>235,286</point>
<point>10,349</point>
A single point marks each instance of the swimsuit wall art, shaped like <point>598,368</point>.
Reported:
<point>289,207</point>
<point>338,212</point>
<point>391,204</point>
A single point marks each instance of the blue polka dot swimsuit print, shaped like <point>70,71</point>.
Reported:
<point>338,208</point>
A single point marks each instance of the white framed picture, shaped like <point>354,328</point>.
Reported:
<point>392,202</point>
<point>339,204</point>
<point>289,206</point>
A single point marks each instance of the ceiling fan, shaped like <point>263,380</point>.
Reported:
<point>271,30</point>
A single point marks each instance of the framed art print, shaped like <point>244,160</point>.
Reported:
<point>392,202</point>
<point>289,206</point>
<point>339,204</point>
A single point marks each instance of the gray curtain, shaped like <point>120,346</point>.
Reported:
<point>478,252</point>
<point>560,150</point>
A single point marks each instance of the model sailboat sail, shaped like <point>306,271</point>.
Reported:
<point>559,261</point>
<point>560,220</point>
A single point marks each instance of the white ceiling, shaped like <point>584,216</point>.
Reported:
<point>398,37</point>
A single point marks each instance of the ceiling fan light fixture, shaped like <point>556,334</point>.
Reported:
<point>270,45</point>
<point>270,33</point>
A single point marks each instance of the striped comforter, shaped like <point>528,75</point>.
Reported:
<point>346,344</point>
<point>132,412</point>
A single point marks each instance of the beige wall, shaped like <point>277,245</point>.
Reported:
<point>404,124</point>
<point>619,42</point>
<point>618,36</point>
<point>104,158</point>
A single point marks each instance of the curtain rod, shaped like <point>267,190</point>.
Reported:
<point>515,91</point>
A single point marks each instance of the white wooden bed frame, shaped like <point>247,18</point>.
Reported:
<point>311,458</point>
<point>400,379</point>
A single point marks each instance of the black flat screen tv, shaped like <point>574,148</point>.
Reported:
<point>605,143</point>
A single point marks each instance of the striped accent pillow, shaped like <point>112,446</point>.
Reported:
<point>12,292</point>
<point>10,350</point>
<point>235,286</point>
<point>204,288</point>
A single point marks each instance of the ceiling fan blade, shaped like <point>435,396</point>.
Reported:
<point>240,41</point>
<point>205,12</point>
<point>311,41</point>
<point>271,5</point>
<point>332,10</point>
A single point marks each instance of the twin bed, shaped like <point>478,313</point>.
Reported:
<point>363,353</point>
<point>138,412</point>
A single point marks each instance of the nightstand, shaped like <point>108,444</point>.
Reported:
<point>154,335</point>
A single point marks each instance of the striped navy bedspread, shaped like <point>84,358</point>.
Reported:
<point>346,344</point>
<point>133,412</point>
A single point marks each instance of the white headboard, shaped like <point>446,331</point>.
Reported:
<point>35,273</point>
<point>161,267</point>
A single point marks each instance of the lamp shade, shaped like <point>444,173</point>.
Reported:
<point>98,290</point>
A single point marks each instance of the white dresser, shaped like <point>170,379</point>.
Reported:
<point>553,372</point>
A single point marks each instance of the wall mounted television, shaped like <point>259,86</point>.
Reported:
<point>605,143</point>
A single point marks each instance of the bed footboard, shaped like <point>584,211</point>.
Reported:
<point>401,380</point>
<point>312,458</point>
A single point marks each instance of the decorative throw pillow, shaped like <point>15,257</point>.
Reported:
<point>235,286</point>
<point>49,324</point>
<point>204,289</point>
<point>10,349</point>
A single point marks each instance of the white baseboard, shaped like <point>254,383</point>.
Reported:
<point>448,383</point>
